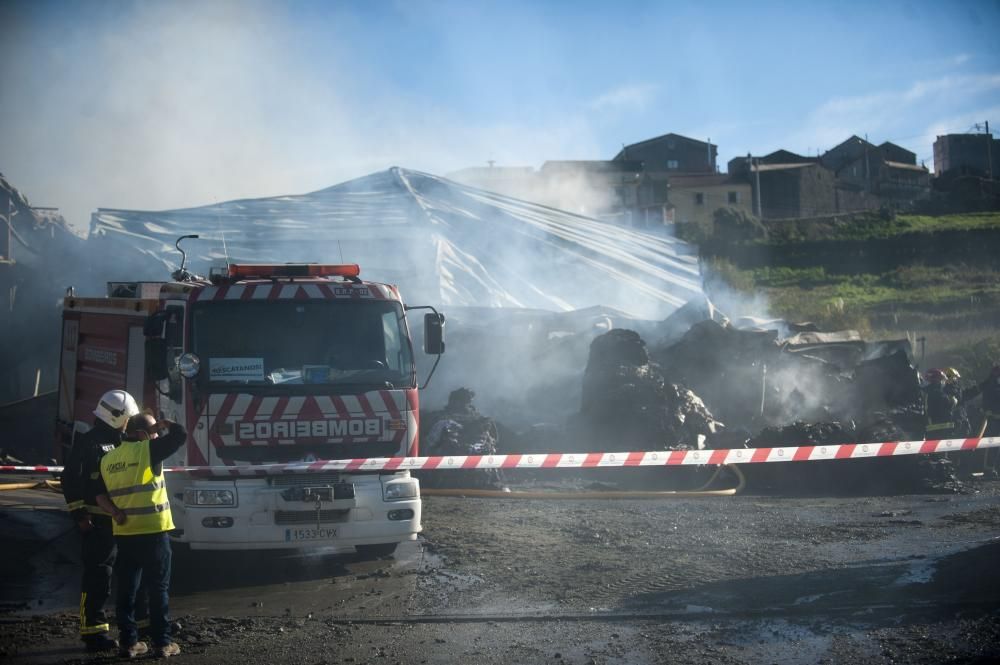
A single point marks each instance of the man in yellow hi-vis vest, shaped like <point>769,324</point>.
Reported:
<point>97,542</point>
<point>136,496</point>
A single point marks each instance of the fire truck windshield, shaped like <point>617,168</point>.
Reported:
<point>298,342</point>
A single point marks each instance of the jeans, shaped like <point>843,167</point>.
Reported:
<point>143,561</point>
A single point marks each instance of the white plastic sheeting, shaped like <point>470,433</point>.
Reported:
<point>443,243</point>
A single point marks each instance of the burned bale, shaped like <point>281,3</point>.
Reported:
<point>675,326</point>
<point>886,382</point>
<point>625,399</point>
<point>724,366</point>
<point>875,475</point>
<point>614,349</point>
<point>804,434</point>
<point>459,429</point>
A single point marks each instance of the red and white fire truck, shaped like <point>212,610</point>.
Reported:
<point>263,364</point>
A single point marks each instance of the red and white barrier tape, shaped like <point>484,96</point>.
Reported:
<point>588,460</point>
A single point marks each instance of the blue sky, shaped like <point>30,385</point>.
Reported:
<point>158,105</point>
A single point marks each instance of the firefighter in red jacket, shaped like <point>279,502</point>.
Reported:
<point>97,539</point>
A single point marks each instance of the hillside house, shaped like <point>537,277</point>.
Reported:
<point>967,154</point>
<point>695,198</point>
<point>672,154</point>
<point>785,184</point>
<point>870,176</point>
<point>802,189</point>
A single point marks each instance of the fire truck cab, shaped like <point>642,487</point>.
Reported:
<point>262,364</point>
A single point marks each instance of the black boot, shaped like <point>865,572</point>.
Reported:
<point>100,642</point>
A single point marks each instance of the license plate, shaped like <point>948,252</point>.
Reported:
<point>310,534</point>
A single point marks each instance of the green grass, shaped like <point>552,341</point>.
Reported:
<point>831,299</point>
<point>954,309</point>
<point>908,285</point>
<point>875,226</point>
<point>964,222</point>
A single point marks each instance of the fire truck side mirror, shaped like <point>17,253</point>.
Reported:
<point>434,333</point>
<point>156,359</point>
<point>153,327</point>
<point>156,346</point>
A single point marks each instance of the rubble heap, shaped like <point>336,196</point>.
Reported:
<point>911,473</point>
<point>627,402</point>
<point>459,429</point>
<point>752,379</point>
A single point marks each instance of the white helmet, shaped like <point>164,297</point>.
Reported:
<point>116,407</point>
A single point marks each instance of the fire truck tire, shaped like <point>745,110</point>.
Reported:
<point>380,551</point>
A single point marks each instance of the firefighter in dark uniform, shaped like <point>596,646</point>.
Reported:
<point>98,551</point>
<point>939,406</point>
<point>953,387</point>
<point>990,390</point>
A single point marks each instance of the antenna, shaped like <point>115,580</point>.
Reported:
<point>225,249</point>
<point>341,248</point>
<point>222,232</point>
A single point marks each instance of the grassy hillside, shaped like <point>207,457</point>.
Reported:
<point>872,226</point>
<point>954,307</point>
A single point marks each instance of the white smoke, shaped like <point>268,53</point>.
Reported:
<point>167,105</point>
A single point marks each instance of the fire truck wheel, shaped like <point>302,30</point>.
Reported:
<point>380,551</point>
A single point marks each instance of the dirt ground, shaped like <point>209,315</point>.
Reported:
<point>742,579</point>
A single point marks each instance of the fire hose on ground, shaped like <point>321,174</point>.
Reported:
<point>53,485</point>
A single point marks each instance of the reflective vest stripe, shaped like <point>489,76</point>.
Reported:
<point>147,510</point>
<point>148,487</point>
<point>141,495</point>
<point>939,426</point>
<point>86,629</point>
<point>95,630</point>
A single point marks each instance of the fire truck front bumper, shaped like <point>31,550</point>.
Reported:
<point>337,513</point>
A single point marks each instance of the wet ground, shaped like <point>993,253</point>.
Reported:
<point>744,579</point>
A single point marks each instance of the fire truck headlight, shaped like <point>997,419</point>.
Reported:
<point>188,365</point>
<point>400,490</point>
<point>209,497</point>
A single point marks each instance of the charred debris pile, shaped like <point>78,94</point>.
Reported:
<point>722,386</point>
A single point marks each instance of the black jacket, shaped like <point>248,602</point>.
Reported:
<point>939,405</point>
<point>83,466</point>
<point>990,390</point>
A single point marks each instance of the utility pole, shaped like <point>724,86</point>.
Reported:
<point>989,151</point>
<point>868,182</point>
<point>760,202</point>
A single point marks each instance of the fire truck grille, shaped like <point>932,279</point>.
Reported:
<point>306,480</point>
<point>283,517</point>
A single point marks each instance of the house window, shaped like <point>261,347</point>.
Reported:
<point>672,164</point>
<point>734,197</point>
<point>671,144</point>
<point>699,198</point>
